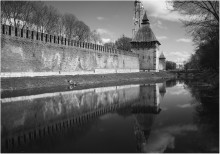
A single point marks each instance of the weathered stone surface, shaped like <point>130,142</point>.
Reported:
<point>27,55</point>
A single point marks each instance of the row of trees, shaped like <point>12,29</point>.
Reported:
<point>36,15</point>
<point>202,24</point>
<point>170,65</point>
<point>123,43</point>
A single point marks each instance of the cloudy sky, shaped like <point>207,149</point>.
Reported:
<point>112,19</point>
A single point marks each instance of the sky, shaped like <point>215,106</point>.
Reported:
<point>112,19</point>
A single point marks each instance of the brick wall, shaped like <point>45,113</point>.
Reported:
<point>30,51</point>
<point>148,58</point>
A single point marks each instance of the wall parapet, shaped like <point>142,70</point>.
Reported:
<point>60,40</point>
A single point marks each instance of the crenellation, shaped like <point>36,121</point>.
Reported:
<point>42,37</point>
<point>6,30</point>
<point>58,40</point>
<point>37,36</point>
<point>45,38</point>
<point>27,34</point>
<point>24,33</point>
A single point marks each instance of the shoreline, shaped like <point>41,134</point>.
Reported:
<point>68,82</point>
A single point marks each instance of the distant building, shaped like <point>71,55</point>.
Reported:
<point>162,62</point>
<point>146,45</point>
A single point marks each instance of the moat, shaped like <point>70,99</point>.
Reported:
<point>172,116</point>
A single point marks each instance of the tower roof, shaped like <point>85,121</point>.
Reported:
<point>162,56</point>
<point>145,33</point>
<point>145,19</point>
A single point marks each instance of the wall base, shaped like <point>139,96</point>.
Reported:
<point>34,74</point>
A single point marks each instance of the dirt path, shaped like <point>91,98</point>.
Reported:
<point>83,81</point>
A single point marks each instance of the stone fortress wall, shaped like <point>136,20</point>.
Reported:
<point>31,53</point>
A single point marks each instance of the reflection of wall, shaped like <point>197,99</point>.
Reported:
<point>28,117</point>
<point>29,111</point>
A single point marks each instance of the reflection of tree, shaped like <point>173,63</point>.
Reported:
<point>206,115</point>
<point>171,83</point>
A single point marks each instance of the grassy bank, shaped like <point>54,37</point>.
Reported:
<point>21,83</point>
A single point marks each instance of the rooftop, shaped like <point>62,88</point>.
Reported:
<point>145,33</point>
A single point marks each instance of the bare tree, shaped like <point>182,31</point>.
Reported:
<point>110,45</point>
<point>39,15</point>
<point>60,27</point>
<point>202,17</point>
<point>81,31</point>
<point>123,43</point>
<point>69,21</point>
<point>17,13</point>
<point>45,17</point>
<point>203,24</point>
<point>95,37</point>
<point>51,19</point>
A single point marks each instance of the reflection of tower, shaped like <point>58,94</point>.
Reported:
<point>149,95</point>
<point>138,15</point>
<point>142,129</point>
<point>148,109</point>
<point>162,88</point>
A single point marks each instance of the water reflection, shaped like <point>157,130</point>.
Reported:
<point>28,118</point>
<point>206,115</point>
<point>174,116</point>
<point>162,88</point>
<point>171,83</point>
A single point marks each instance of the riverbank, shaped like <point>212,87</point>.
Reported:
<point>206,76</point>
<point>84,81</point>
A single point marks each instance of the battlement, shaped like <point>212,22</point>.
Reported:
<point>59,40</point>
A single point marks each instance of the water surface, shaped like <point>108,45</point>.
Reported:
<point>174,116</point>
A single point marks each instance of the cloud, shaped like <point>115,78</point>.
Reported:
<point>159,24</point>
<point>161,9</point>
<point>100,18</point>
<point>178,91</point>
<point>106,40</point>
<point>164,138</point>
<point>106,35</point>
<point>184,40</point>
<point>184,105</point>
<point>161,37</point>
<point>103,31</point>
<point>177,56</point>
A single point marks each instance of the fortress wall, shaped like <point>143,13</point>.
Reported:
<point>26,53</point>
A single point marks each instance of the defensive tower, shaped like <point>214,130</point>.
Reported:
<point>162,62</point>
<point>146,45</point>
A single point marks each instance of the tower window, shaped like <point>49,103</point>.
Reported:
<point>143,57</point>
